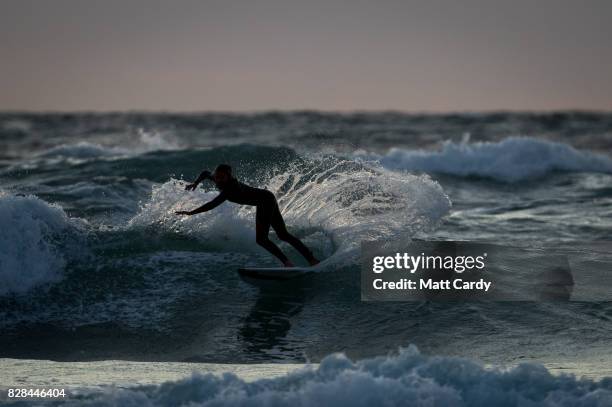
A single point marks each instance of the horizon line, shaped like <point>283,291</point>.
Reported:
<point>423,112</point>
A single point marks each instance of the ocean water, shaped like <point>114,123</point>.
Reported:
<point>95,266</point>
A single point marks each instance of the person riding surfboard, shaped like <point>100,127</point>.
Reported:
<point>267,211</point>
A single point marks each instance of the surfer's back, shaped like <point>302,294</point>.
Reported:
<point>243,194</point>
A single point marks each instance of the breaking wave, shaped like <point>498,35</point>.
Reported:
<point>510,160</point>
<point>329,200</point>
<point>33,235</point>
<point>408,378</point>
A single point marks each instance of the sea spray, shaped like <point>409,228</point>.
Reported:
<point>226,228</point>
<point>352,202</point>
<point>345,201</point>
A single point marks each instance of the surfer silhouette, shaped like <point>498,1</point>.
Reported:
<point>267,214</point>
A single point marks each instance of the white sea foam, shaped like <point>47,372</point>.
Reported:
<point>31,231</point>
<point>510,160</point>
<point>408,378</point>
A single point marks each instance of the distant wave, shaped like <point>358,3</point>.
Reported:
<point>144,143</point>
<point>32,232</point>
<point>20,126</point>
<point>406,379</point>
<point>510,160</point>
<point>83,150</point>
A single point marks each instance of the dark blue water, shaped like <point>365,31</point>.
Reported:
<point>95,265</point>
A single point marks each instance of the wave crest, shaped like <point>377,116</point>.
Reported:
<point>510,160</point>
<point>146,142</point>
<point>32,233</point>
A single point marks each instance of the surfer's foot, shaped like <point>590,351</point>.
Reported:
<point>313,261</point>
<point>288,263</point>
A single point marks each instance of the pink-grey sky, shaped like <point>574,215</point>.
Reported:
<point>406,55</point>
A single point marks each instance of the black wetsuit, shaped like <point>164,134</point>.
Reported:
<point>267,214</point>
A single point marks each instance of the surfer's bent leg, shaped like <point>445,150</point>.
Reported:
<point>278,224</point>
<point>262,228</point>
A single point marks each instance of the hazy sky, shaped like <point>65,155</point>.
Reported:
<point>325,55</point>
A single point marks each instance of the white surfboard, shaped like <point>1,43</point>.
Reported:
<point>273,273</point>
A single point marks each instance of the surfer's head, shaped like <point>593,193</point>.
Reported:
<point>222,175</point>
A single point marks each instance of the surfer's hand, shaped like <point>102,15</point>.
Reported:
<point>183,212</point>
<point>191,187</point>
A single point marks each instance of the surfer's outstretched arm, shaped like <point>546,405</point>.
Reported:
<point>206,207</point>
<point>203,175</point>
